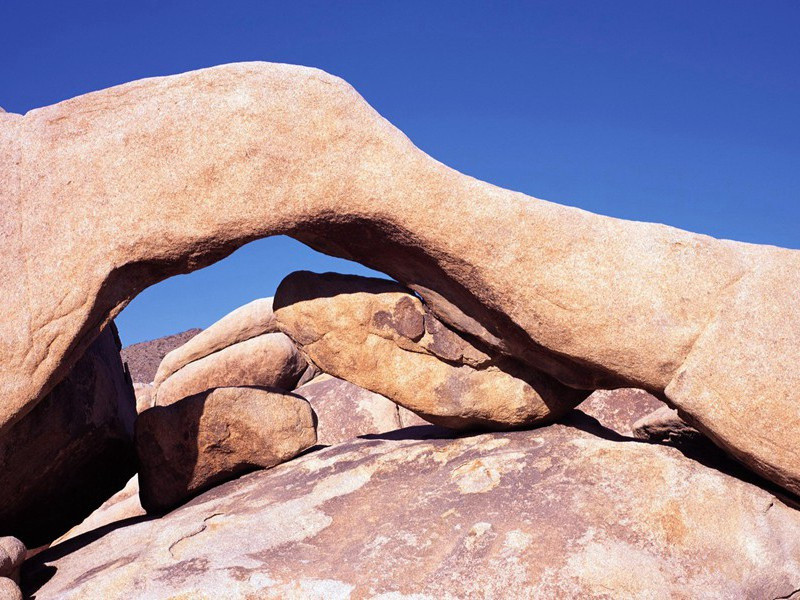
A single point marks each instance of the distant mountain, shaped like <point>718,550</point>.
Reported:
<point>143,358</point>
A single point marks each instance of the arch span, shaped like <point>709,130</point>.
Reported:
<point>110,192</point>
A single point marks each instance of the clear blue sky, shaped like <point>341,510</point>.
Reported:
<point>680,112</point>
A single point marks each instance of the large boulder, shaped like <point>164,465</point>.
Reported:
<point>72,451</point>
<point>378,335</point>
<point>205,439</point>
<point>268,360</point>
<point>551,513</point>
<point>246,322</point>
<point>619,409</point>
<point>144,358</point>
<point>259,149</point>
<point>345,411</point>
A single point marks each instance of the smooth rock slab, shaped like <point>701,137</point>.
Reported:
<point>208,438</point>
<point>551,513</point>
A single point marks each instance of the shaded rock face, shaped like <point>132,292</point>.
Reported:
<point>345,411</point>
<point>121,506</point>
<point>208,438</point>
<point>143,358</point>
<point>664,425</point>
<point>72,451</point>
<point>277,149</point>
<point>379,336</point>
<point>551,513</point>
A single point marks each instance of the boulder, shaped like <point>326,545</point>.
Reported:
<point>9,590</point>
<point>120,507</point>
<point>377,335</point>
<point>72,451</point>
<point>205,439</point>
<point>619,409</point>
<point>555,512</point>
<point>345,411</point>
<point>145,396</point>
<point>665,426</point>
<point>268,360</point>
<point>246,322</point>
<point>143,358</point>
<point>12,555</point>
<point>259,149</point>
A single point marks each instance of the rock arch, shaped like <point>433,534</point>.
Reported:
<point>110,192</point>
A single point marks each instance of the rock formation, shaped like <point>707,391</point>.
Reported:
<point>555,512</point>
<point>619,409</point>
<point>143,358</point>
<point>208,438</point>
<point>345,411</point>
<point>72,451</point>
<point>379,336</point>
<point>664,425</point>
<point>166,175</point>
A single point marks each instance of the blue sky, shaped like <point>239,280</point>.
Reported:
<point>680,112</point>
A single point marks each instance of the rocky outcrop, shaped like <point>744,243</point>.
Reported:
<point>72,451</point>
<point>378,335</point>
<point>619,409</point>
<point>556,512</point>
<point>263,149</point>
<point>246,322</point>
<point>665,426</point>
<point>208,438</point>
<point>12,554</point>
<point>121,507</point>
<point>143,358</point>
<point>269,360</point>
<point>345,411</point>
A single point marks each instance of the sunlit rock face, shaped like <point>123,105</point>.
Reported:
<point>557,512</point>
<point>139,182</point>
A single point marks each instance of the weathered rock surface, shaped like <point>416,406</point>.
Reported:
<point>345,411</point>
<point>619,409</point>
<point>268,360</point>
<point>376,334</point>
<point>72,451</point>
<point>208,438</point>
<point>12,554</point>
<point>121,506</point>
<point>145,396</point>
<point>664,425</point>
<point>550,513</point>
<point>9,590</point>
<point>259,149</point>
<point>251,320</point>
<point>143,358</point>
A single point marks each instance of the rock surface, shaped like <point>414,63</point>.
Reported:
<point>72,451</point>
<point>9,590</point>
<point>208,438</point>
<point>120,507</point>
<point>145,396</point>
<point>551,513</point>
<point>268,360</point>
<point>259,149</point>
<point>619,409</point>
<point>664,425</point>
<point>12,554</point>
<point>345,411</point>
<point>377,335</point>
<point>251,320</point>
<point>143,358</point>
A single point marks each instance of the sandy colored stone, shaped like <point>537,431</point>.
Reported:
<point>345,411</point>
<point>253,319</point>
<point>9,590</point>
<point>72,451</point>
<point>619,409</point>
<point>143,358</point>
<point>208,438</point>
<point>145,396</point>
<point>409,418</point>
<point>12,555</point>
<point>377,335</point>
<point>555,512</point>
<point>136,183</point>
<point>120,507</point>
<point>268,360</point>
